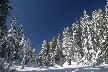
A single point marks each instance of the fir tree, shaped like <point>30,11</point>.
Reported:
<point>43,56</point>
<point>12,34</point>
<point>29,53</point>
<point>104,43</point>
<point>5,11</point>
<point>67,44</point>
<point>87,37</point>
<point>19,37</point>
<point>52,50</point>
<point>24,46</point>
<point>58,52</point>
<point>76,41</point>
<point>34,57</point>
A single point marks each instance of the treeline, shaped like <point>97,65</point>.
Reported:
<point>13,44</point>
<point>86,41</point>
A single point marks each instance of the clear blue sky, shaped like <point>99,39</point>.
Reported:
<point>44,19</point>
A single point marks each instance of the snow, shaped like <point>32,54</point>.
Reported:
<point>79,44</point>
<point>64,68</point>
<point>72,63</point>
<point>69,68</point>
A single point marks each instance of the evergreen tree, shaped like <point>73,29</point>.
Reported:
<point>34,57</point>
<point>5,11</point>
<point>12,34</point>
<point>19,37</point>
<point>29,53</point>
<point>104,43</point>
<point>87,37</point>
<point>24,46</point>
<point>67,44</point>
<point>52,50</point>
<point>76,41</point>
<point>58,52</point>
<point>95,28</point>
<point>43,56</point>
<point>97,23</point>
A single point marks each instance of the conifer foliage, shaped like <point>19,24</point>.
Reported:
<point>84,43</point>
<point>13,45</point>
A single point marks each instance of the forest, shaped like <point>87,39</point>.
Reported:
<point>85,42</point>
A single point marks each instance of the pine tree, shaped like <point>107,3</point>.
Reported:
<point>76,41</point>
<point>100,30</point>
<point>5,11</point>
<point>52,50</point>
<point>24,46</point>
<point>77,33</point>
<point>12,34</point>
<point>34,57</point>
<point>3,47</point>
<point>67,44</point>
<point>97,28</point>
<point>87,37</point>
<point>43,56</point>
<point>19,37</point>
<point>29,53</point>
<point>104,43</point>
<point>58,52</point>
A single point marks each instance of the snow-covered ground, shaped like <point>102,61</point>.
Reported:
<point>65,68</point>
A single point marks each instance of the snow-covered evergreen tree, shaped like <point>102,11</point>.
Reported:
<point>5,11</point>
<point>29,53</point>
<point>43,55</point>
<point>95,27</point>
<point>59,57</point>
<point>97,23</point>
<point>104,43</point>
<point>31,59</point>
<point>76,41</point>
<point>52,50</point>
<point>24,48</point>
<point>67,44</point>
<point>87,37</point>
<point>19,37</point>
<point>34,57</point>
<point>12,34</point>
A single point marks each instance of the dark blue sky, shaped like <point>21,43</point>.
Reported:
<point>44,19</point>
